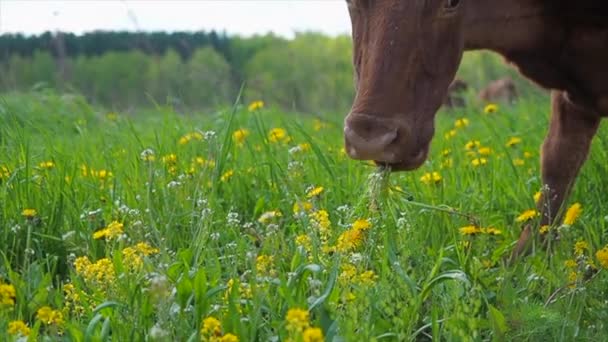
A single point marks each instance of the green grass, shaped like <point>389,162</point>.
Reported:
<point>428,281</point>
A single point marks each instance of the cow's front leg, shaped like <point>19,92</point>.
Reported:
<point>564,151</point>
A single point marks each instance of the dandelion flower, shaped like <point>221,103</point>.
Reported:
<point>544,229</point>
<point>484,151</point>
<point>450,134</point>
<point>362,224</point>
<point>229,338</point>
<point>570,263</point>
<point>460,123</point>
<point>479,162</point>
<point>227,175</point>
<point>350,240</point>
<point>297,319</point>
<point>492,231</point>
<point>430,178</point>
<point>18,328</point>
<point>513,141</point>
<point>29,213</point>
<point>314,192</point>
<point>469,230</point>
<point>573,213</point>
<point>527,215</point>
<point>490,108</point>
<point>602,256</point>
<point>313,335</point>
<point>472,145</point>
<point>240,135</point>
<point>277,135</point>
<point>256,105</point>
<point>7,295</point>
<point>211,326</point>
<point>113,230</point>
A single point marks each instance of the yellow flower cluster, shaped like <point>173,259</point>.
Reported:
<point>602,256</point>
<point>72,300</point>
<point>461,123</point>
<point>473,230</point>
<point>102,174</point>
<point>298,324</point>
<point>431,178</point>
<point>7,295</point>
<point>513,141</point>
<point>264,265</point>
<point>318,125</point>
<point>320,220</point>
<point>132,257</point>
<point>186,138</point>
<point>46,165</point>
<point>573,213</point>
<point>278,135</point>
<point>211,331</point>
<point>113,230</point>
<point>353,238</point>
<point>256,105</point>
<point>301,207</point>
<point>4,172</point>
<point>101,272</point>
<point>350,276</point>
<point>240,135</point>
<point>527,215</point>
<point>18,328</point>
<point>314,192</point>
<point>49,316</point>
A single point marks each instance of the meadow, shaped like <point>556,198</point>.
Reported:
<point>251,224</point>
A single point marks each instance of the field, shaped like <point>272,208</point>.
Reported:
<point>252,224</point>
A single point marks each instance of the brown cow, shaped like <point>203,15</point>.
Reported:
<point>454,97</point>
<point>406,52</point>
<point>501,90</point>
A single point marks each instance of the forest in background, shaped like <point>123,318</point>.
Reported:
<point>200,70</point>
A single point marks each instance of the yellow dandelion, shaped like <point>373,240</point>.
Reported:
<point>256,105</point>
<point>297,319</point>
<point>47,165</point>
<point>313,335</point>
<point>580,247</point>
<point>537,196</point>
<point>229,338</point>
<point>544,229</point>
<point>527,215</point>
<point>472,145</point>
<point>240,135</point>
<point>573,213</point>
<point>227,175</point>
<point>479,162</point>
<point>211,326</point>
<point>513,141</point>
<point>113,230</point>
<point>349,240</point>
<point>484,151</point>
<point>361,224</point>
<point>170,158</point>
<point>7,295</point>
<point>431,178</point>
<point>446,152</point>
<point>570,263</point>
<point>29,213</point>
<point>492,231</point>
<point>277,135</point>
<point>602,256</point>
<point>470,230</point>
<point>450,134</point>
<point>460,123</point>
<point>447,163</point>
<point>300,207</point>
<point>18,328</point>
<point>491,108</point>
<point>314,192</point>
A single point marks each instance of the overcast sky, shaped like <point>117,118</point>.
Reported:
<point>245,17</point>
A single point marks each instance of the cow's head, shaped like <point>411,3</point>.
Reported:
<point>406,52</point>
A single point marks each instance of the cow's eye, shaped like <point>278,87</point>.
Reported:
<point>451,4</point>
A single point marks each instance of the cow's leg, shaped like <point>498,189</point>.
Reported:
<point>564,151</point>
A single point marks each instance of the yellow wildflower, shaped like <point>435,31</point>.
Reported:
<point>49,316</point>
<point>490,108</point>
<point>349,240</point>
<point>602,256</point>
<point>264,265</point>
<point>450,134</point>
<point>314,192</point>
<point>492,231</point>
<point>256,105</point>
<point>544,229</point>
<point>461,123</point>
<point>240,135</point>
<point>299,207</point>
<point>572,214</point>
<point>4,172</point>
<point>361,224</point>
<point>229,338</point>
<point>479,162</point>
<point>7,295</point>
<point>572,277</point>
<point>304,241</point>
<point>313,335</point>
<point>47,165</point>
<point>519,162</point>
<point>320,220</point>
<point>446,152</point>
<point>29,213</point>
<point>145,249</point>
<point>211,326</point>
<point>297,319</point>
<point>367,278</point>
<point>527,215</point>
<point>570,263</point>
<point>269,216</point>
<point>18,328</point>
<point>472,145</point>
<point>101,272</point>
<point>513,141</point>
<point>537,196</point>
<point>169,159</point>
<point>447,163</point>
<point>277,135</point>
<point>470,230</point>
<point>484,151</point>
<point>113,230</point>
<point>580,247</point>
<point>527,155</point>
<point>227,175</point>
<point>431,178</point>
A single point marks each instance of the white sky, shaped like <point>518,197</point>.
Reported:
<point>244,17</point>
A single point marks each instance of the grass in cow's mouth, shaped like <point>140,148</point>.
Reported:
<point>248,224</point>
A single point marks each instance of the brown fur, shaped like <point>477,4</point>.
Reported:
<point>407,52</point>
<point>501,90</point>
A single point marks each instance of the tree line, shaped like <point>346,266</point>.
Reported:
<point>310,73</point>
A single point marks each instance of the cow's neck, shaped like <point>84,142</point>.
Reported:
<point>504,26</point>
